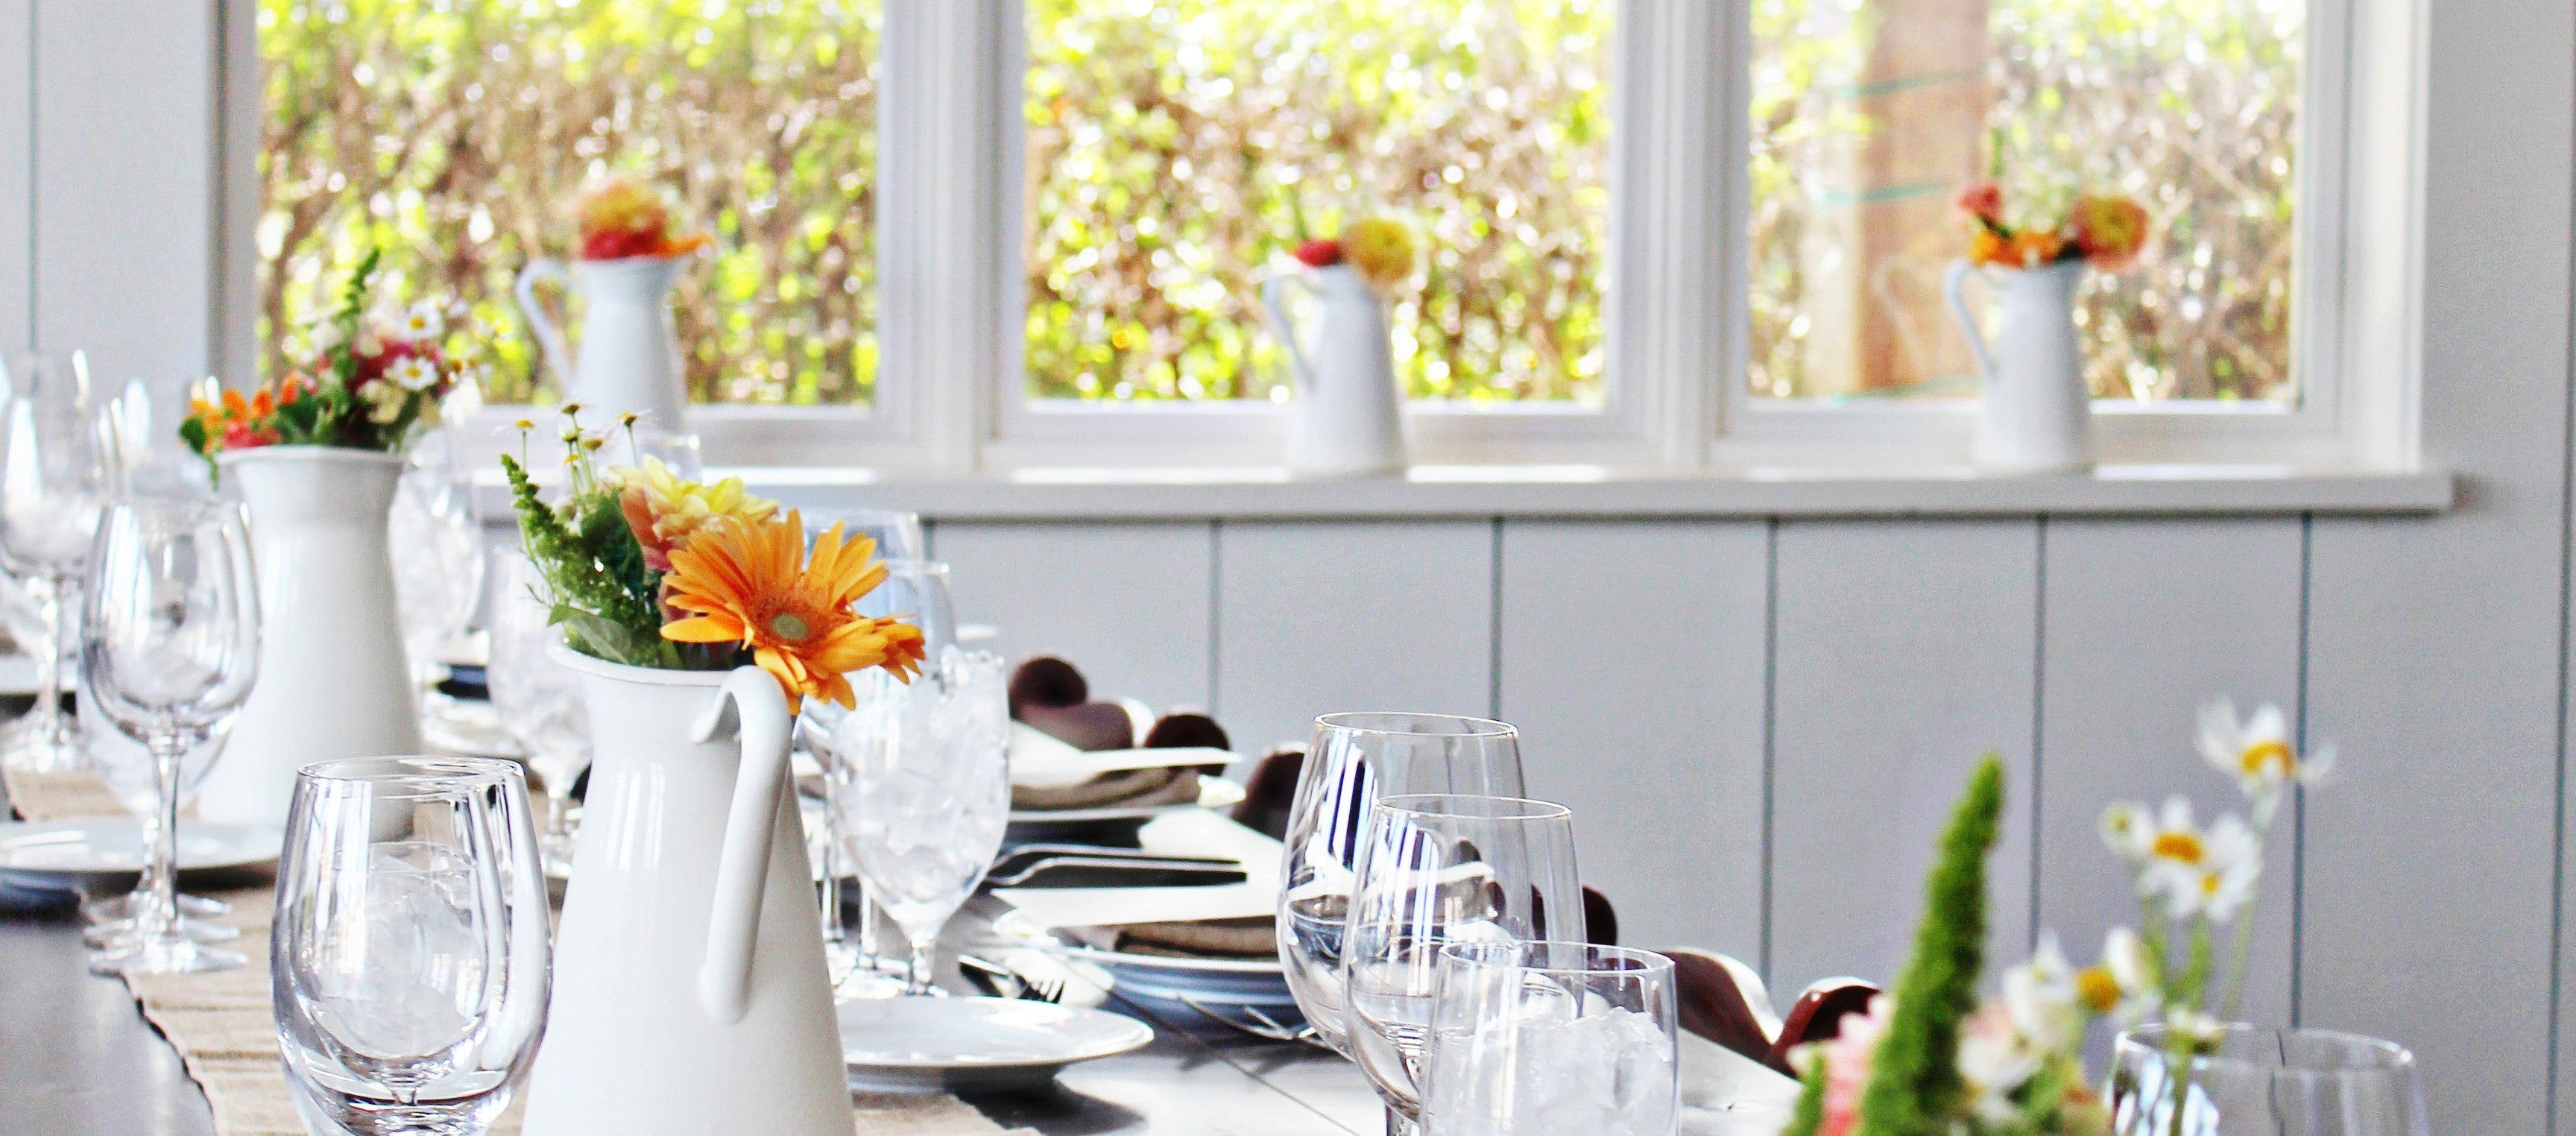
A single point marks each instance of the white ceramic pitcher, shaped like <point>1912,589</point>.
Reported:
<point>689,989</point>
<point>2036,415</point>
<point>1346,418</point>
<point>333,680</point>
<point>630,350</point>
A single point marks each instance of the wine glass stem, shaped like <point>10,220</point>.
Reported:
<point>867,926</point>
<point>919,982</point>
<point>160,920</point>
<point>1397,1125</point>
<point>53,606</point>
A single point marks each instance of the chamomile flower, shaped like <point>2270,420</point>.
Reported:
<point>413,373</point>
<point>2123,984</point>
<point>2129,831</point>
<point>2258,753</point>
<point>2202,1029</point>
<point>2040,998</point>
<point>2197,873</point>
<point>423,321</point>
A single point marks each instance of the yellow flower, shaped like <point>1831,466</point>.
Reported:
<point>2095,987</point>
<point>665,512</point>
<point>2108,230</point>
<point>1380,250</point>
<point>750,583</point>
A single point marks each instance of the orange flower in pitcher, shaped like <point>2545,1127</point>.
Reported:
<point>751,584</point>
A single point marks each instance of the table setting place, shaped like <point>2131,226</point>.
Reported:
<point>687,812</point>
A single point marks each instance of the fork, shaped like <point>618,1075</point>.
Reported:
<point>1028,987</point>
<point>1262,1025</point>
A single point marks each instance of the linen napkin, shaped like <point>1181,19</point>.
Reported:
<point>55,796</point>
<point>1049,775</point>
<point>1195,920</point>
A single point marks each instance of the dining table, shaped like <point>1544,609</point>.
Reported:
<point>78,1058</point>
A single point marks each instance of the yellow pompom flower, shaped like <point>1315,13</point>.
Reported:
<point>1380,250</point>
<point>2109,230</point>
<point>665,512</point>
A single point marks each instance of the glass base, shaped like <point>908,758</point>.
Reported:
<point>165,956</point>
<point>1398,1125</point>
<point>34,745</point>
<point>123,908</point>
<point>117,934</point>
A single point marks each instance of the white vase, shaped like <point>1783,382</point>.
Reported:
<point>1346,418</point>
<point>2036,414</point>
<point>689,989</point>
<point>333,681</point>
<point>630,350</point>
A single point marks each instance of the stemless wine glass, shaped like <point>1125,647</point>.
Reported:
<point>537,698</point>
<point>52,486</point>
<point>169,648</point>
<point>933,792</point>
<point>2266,1082</point>
<point>409,963</point>
<point>1537,1039</point>
<point>1436,869</point>
<point>1353,759</point>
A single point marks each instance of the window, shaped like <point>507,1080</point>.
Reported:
<point>1868,117</point>
<point>451,134</point>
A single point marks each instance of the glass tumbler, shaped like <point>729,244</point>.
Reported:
<point>932,790</point>
<point>2265,1082</point>
<point>1534,1039</point>
<point>409,963</point>
<point>1353,760</point>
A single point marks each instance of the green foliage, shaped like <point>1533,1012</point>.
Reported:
<point>1914,1086</point>
<point>606,600</point>
<point>1809,1118</point>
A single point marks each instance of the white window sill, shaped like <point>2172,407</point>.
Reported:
<point>1068,493</point>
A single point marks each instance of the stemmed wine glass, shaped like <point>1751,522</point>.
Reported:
<point>852,951</point>
<point>169,647</point>
<point>438,566</point>
<point>933,791</point>
<point>1353,759</point>
<point>52,485</point>
<point>537,698</point>
<point>1435,870</point>
<point>409,964</point>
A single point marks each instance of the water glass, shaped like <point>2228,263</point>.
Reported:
<point>915,591</point>
<point>169,651</point>
<point>680,453</point>
<point>409,963</point>
<point>437,539</point>
<point>2266,1082</point>
<point>1536,1039</point>
<point>53,483</point>
<point>1353,759</point>
<point>930,777</point>
<point>896,531</point>
<point>1434,870</point>
<point>537,698</point>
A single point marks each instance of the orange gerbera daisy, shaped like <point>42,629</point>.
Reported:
<point>750,583</point>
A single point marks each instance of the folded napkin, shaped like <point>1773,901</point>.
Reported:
<point>1049,775</point>
<point>1251,937</point>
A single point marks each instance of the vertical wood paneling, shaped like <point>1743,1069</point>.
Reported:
<point>1645,714</point>
<point>1905,649</point>
<point>125,186</point>
<point>1127,603</point>
<point>1314,618</point>
<point>2145,621</point>
<point>17,176</point>
<point>2434,649</point>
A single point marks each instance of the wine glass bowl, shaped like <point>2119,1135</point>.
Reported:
<point>2265,1082</point>
<point>53,484</point>
<point>931,782</point>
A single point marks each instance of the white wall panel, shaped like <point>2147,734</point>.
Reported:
<point>2434,645</point>
<point>1632,659</point>
<point>1314,618</point>
<point>17,174</point>
<point>125,187</point>
<point>1904,652</point>
<point>2144,621</point>
<point>1127,603</point>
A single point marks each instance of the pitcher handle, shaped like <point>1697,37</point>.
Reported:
<point>1272,299</point>
<point>724,982</point>
<point>1967,322</point>
<point>550,338</point>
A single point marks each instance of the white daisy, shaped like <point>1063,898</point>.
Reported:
<point>2129,831</point>
<point>413,373</point>
<point>2258,753</point>
<point>2039,995</point>
<point>2202,873</point>
<point>1994,1060</point>
<point>423,321</point>
<point>2124,986</point>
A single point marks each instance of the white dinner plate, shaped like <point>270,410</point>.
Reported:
<point>54,854</point>
<point>975,1043</point>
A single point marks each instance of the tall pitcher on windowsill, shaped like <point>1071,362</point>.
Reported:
<point>628,260</point>
<point>2035,414</point>
<point>1347,416</point>
<point>690,994</point>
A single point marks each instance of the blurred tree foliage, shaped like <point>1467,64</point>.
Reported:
<point>454,133</point>
<point>1179,148</point>
<point>2191,106</point>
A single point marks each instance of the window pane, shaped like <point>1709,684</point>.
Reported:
<point>1868,115</point>
<point>455,133</point>
<point>1179,148</point>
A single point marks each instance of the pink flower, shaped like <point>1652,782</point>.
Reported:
<point>1983,200</point>
<point>1847,1059</point>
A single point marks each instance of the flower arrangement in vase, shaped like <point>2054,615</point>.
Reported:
<point>1346,418</point>
<point>317,454</point>
<point>627,254</point>
<point>2036,415</point>
<point>1932,1059</point>
<point>690,991</point>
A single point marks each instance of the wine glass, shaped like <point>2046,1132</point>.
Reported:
<point>1534,1039</point>
<point>408,967</point>
<point>896,531</point>
<point>169,649</point>
<point>680,453</point>
<point>1436,869</point>
<point>1353,759</point>
<point>537,698</point>
<point>931,779</point>
<point>918,591</point>
<point>52,485</point>
<point>126,766</point>
<point>437,539</point>
<point>2266,1082</point>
